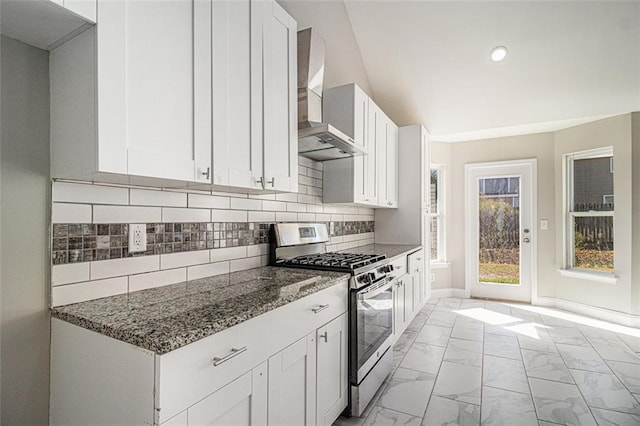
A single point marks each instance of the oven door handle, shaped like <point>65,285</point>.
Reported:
<point>377,291</point>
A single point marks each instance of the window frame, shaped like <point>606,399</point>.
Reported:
<point>569,215</point>
<point>441,256</point>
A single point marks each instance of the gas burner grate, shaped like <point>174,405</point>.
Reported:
<point>341,261</point>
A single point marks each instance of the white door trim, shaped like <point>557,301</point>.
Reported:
<point>532,163</point>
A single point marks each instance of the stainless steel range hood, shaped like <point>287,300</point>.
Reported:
<point>317,140</point>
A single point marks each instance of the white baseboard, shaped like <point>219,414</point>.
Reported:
<point>591,311</point>
<point>447,292</point>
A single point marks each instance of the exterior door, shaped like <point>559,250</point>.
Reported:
<point>500,229</point>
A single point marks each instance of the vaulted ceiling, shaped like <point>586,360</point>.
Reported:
<point>428,62</point>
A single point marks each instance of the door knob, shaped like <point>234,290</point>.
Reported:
<point>526,240</point>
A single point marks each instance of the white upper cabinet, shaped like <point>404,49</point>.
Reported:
<point>255,119</point>
<point>133,95</point>
<point>347,108</point>
<point>237,85</point>
<point>369,180</point>
<point>178,93</point>
<point>280,96</point>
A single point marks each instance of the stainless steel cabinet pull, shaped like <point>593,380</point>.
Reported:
<point>271,182</point>
<point>325,336</point>
<point>206,173</point>
<point>234,352</point>
<point>260,182</point>
<point>320,308</point>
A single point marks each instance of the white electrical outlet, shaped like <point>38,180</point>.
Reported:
<point>137,237</point>
<point>433,277</point>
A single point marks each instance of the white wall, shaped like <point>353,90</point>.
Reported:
<point>539,146</point>
<point>635,253</point>
<point>616,132</point>
<point>25,198</point>
<point>343,61</point>
<point>623,133</point>
<point>441,155</point>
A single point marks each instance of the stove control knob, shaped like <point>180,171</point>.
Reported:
<point>388,268</point>
<point>364,278</point>
<point>372,276</point>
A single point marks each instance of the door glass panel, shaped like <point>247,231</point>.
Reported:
<point>499,230</point>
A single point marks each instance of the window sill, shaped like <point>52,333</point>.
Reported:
<point>589,276</point>
<point>440,265</point>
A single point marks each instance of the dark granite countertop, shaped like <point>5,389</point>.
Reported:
<point>391,250</point>
<point>166,318</point>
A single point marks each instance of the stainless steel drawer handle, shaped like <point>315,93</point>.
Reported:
<point>325,336</point>
<point>320,308</point>
<point>234,352</point>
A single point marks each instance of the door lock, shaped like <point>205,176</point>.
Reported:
<point>526,240</point>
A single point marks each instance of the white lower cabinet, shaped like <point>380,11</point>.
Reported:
<point>332,370</point>
<point>308,380</point>
<point>242,402</point>
<point>292,384</point>
<point>285,367</point>
<point>410,291</point>
<point>399,306</point>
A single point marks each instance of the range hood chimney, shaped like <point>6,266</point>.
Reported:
<point>317,140</point>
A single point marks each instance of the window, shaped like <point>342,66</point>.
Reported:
<point>436,215</point>
<point>590,211</point>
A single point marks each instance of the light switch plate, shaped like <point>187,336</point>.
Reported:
<point>544,224</point>
<point>137,237</point>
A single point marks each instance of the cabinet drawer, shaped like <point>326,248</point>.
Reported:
<point>399,265</point>
<point>192,372</point>
<point>297,319</point>
<point>416,261</point>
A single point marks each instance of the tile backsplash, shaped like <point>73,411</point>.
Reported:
<point>190,234</point>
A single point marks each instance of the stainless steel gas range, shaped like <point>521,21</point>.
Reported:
<point>303,245</point>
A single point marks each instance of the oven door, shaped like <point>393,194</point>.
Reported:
<point>371,317</point>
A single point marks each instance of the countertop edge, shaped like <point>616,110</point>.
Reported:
<point>166,345</point>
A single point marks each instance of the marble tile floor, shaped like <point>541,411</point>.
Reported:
<point>471,362</point>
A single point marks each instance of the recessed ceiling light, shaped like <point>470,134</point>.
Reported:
<point>498,53</point>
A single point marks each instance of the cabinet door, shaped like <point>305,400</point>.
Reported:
<point>362,190</point>
<point>154,88</point>
<point>280,95</point>
<point>375,125</point>
<point>241,402</point>
<point>237,103</point>
<point>412,295</point>
<point>392,165</point>
<point>292,384</point>
<point>382,136</point>
<point>332,370</point>
<point>399,307</point>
